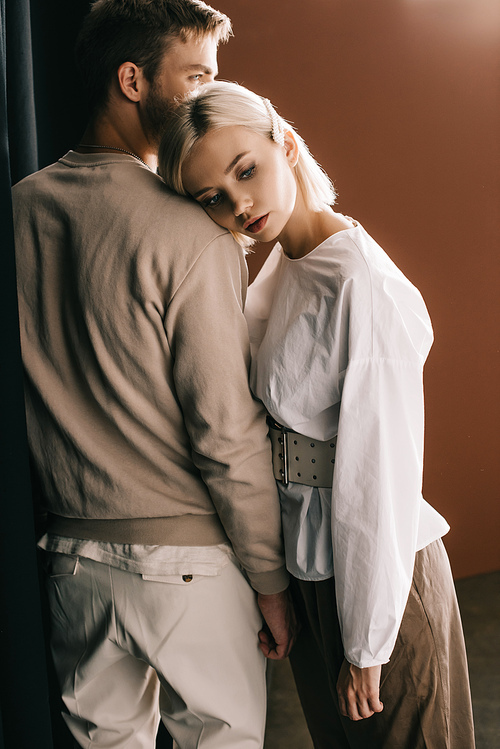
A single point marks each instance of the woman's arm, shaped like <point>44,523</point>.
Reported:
<point>376,502</point>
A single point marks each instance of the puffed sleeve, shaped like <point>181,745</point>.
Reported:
<point>376,501</point>
<point>377,485</point>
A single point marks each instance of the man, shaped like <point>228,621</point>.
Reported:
<point>153,457</point>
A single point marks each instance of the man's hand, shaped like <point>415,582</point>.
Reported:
<point>358,691</point>
<point>280,625</point>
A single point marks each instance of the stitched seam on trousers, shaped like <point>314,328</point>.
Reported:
<point>113,614</point>
<point>441,680</point>
<point>77,666</point>
<point>84,651</point>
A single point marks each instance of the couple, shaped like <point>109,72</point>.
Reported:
<point>163,546</point>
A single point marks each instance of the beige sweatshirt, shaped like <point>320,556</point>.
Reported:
<point>140,420</point>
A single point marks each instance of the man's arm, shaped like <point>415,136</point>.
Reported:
<point>208,336</point>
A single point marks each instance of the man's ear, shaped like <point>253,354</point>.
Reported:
<point>291,147</point>
<point>131,80</point>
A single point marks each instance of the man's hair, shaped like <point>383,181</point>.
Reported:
<point>222,104</point>
<point>138,31</point>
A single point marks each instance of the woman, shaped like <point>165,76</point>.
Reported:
<point>339,337</point>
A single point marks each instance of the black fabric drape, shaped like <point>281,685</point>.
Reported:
<point>24,701</point>
<point>42,116</point>
<point>20,91</point>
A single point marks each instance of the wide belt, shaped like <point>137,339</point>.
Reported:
<point>300,459</point>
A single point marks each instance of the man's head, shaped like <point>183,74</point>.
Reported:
<point>166,39</point>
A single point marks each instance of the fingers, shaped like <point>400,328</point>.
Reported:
<point>271,649</point>
<point>275,646</point>
<point>356,709</point>
<point>343,706</point>
<point>358,691</point>
<point>278,632</point>
<point>376,705</point>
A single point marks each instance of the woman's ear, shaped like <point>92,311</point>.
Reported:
<point>130,80</point>
<point>291,147</point>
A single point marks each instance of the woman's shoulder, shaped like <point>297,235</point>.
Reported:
<point>343,254</point>
<point>362,257</point>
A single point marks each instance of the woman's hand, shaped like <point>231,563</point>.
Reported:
<point>358,691</point>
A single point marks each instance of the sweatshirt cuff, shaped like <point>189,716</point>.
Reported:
<point>269,583</point>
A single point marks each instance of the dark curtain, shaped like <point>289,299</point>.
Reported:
<point>25,715</point>
<point>43,116</point>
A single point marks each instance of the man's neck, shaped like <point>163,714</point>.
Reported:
<point>104,134</point>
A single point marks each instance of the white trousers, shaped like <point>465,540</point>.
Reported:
<point>127,649</point>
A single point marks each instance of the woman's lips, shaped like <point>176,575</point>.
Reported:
<point>257,225</point>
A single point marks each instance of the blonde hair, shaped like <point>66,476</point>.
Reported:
<point>221,104</point>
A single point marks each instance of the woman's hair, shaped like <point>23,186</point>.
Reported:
<point>139,31</point>
<point>221,104</point>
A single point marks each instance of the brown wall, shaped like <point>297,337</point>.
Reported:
<point>400,102</point>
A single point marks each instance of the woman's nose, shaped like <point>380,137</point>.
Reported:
<point>241,205</point>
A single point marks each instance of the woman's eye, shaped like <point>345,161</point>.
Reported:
<point>247,173</point>
<point>213,201</point>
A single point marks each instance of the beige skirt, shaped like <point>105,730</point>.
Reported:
<point>424,687</point>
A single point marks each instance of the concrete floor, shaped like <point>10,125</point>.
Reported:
<point>479,599</point>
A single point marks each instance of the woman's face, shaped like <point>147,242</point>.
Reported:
<point>243,180</point>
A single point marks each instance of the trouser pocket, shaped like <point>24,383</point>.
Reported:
<point>60,565</point>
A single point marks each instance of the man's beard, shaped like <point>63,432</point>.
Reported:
<point>156,111</point>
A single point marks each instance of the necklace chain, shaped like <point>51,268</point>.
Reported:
<point>113,148</point>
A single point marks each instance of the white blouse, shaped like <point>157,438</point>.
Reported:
<point>339,338</point>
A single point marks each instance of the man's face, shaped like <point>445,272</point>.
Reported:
<point>185,66</point>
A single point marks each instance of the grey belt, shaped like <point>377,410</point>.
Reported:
<point>300,459</point>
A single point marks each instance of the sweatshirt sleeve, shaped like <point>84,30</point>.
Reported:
<point>208,336</point>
